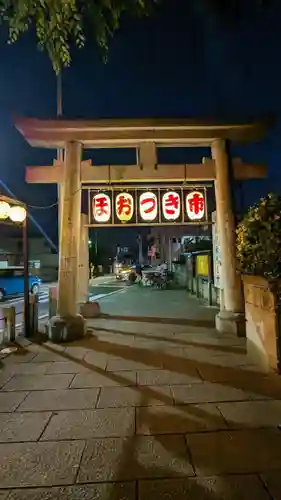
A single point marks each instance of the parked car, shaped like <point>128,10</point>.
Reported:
<point>12,282</point>
<point>123,272</point>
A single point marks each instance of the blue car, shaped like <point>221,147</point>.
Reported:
<point>12,282</point>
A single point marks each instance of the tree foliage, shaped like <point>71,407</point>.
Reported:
<point>60,24</point>
<point>259,239</point>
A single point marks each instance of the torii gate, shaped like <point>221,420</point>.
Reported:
<point>145,136</point>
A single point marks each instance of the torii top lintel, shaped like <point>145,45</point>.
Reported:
<point>133,132</point>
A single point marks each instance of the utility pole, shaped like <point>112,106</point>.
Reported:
<point>96,241</point>
<point>59,108</point>
<point>59,151</point>
<point>140,249</point>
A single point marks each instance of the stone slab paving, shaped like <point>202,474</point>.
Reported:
<point>37,383</point>
<point>20,427</point>
<point>83,424</point>
<point>10,401</point>
<point>272,481</point>
<point>128,396</point>
<point>212,393</point>
<point>226,488</point>
<point>243,451</point>
<point>178,419</point>
<point>76,399</point>
<point>135,458</point>
<point>39,464</point>
<point>98,379</point>
<point>112,491</point>
<point>163,377</point>
<point>29,368</point>
<point>66,367</point>
<point>160,408</point>
<point>145,302</point>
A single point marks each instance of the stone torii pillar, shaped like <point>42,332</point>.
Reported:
<point>231,317</point>
<point>67,324</point>
<point>83,267</point>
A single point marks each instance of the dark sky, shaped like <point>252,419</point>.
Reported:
<point>184,61</point>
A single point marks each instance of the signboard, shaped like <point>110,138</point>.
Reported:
<point>202,265</point>
<point>147,206</point>
<point>216,253</point>
<point>151,252</point>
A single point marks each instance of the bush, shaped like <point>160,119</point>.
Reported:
<point>259,239</point>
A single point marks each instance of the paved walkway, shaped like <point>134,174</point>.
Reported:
<point>140,410</point>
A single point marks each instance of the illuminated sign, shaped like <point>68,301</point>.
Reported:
<point>171,206</point>
<point>195,205</point>
<point>148,206</point>
<point>124,207</point>
<point>202,265</point>
<point>151,206</point>
<point>101,207</point>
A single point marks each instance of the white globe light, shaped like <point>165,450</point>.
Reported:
<point>4,210</point>
<point>17,213</point>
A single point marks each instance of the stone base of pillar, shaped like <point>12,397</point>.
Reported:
<point>229,322</point>
<point>90,310</point>
<point>66,329</point>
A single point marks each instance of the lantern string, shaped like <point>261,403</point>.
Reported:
<point>46,207</point>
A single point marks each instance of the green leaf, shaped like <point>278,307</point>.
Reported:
<point>259,238</point>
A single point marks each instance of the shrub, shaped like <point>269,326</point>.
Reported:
<point>259,239</point>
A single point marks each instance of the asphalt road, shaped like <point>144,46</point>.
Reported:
<point>105,285</point>
<point>98,288</point>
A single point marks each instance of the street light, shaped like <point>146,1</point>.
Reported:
<point>17,214</point>
<point>14,212</point>
<point>4,210</point>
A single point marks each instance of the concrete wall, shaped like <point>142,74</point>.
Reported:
<point>37,246</point>
<point>261,322</point>
<point>207,291</point>
<point>180,274</point>
<point>200,287</point>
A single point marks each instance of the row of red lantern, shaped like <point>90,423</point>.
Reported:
<point>150,206</point>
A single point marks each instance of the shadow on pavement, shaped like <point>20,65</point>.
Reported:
<point>164,321</point>
<point>171,340</point>
<point>155,420</point>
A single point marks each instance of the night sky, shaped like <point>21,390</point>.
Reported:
<point>183,61</point>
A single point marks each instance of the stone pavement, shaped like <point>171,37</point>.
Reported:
<point>156,408</point>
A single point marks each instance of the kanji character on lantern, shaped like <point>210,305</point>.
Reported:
<point>171,205</point>
<point>101,207</point>
<point>195,205</point>
<point>148,207</point>
<point>124,206</point>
